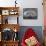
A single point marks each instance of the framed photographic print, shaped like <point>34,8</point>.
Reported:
<point>6,34</point>
<point>5,12</point>
<point>30,13</point>
<point>12,20</point>
<point>13,12</point>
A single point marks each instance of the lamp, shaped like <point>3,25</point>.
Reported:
<point>15,3</point>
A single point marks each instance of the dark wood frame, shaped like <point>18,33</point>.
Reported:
<point>11,26</point>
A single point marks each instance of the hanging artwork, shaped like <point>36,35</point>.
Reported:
<point>30,13</point>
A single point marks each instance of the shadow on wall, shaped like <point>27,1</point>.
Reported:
<point>37,29</point>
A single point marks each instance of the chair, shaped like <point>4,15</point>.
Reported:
<point>29,33</point>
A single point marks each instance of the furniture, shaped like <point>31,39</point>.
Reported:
<point>30,38</point>
<point>10,43</point>
<point>9,24</point>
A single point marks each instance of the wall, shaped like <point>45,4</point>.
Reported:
<point>27,4</point>
<point>32,4</point>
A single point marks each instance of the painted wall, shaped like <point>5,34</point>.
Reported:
<point>26,4</point>
<point>32,4</point>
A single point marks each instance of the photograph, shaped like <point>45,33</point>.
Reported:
<point>30,13</point>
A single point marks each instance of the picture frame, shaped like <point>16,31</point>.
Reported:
<point>6,34</point>
<point>9,34</point>
<point>13,20</point>
<point>13,12</point>
<point>5,12</point>
<point>30,13</point>
<point>10,20</point>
